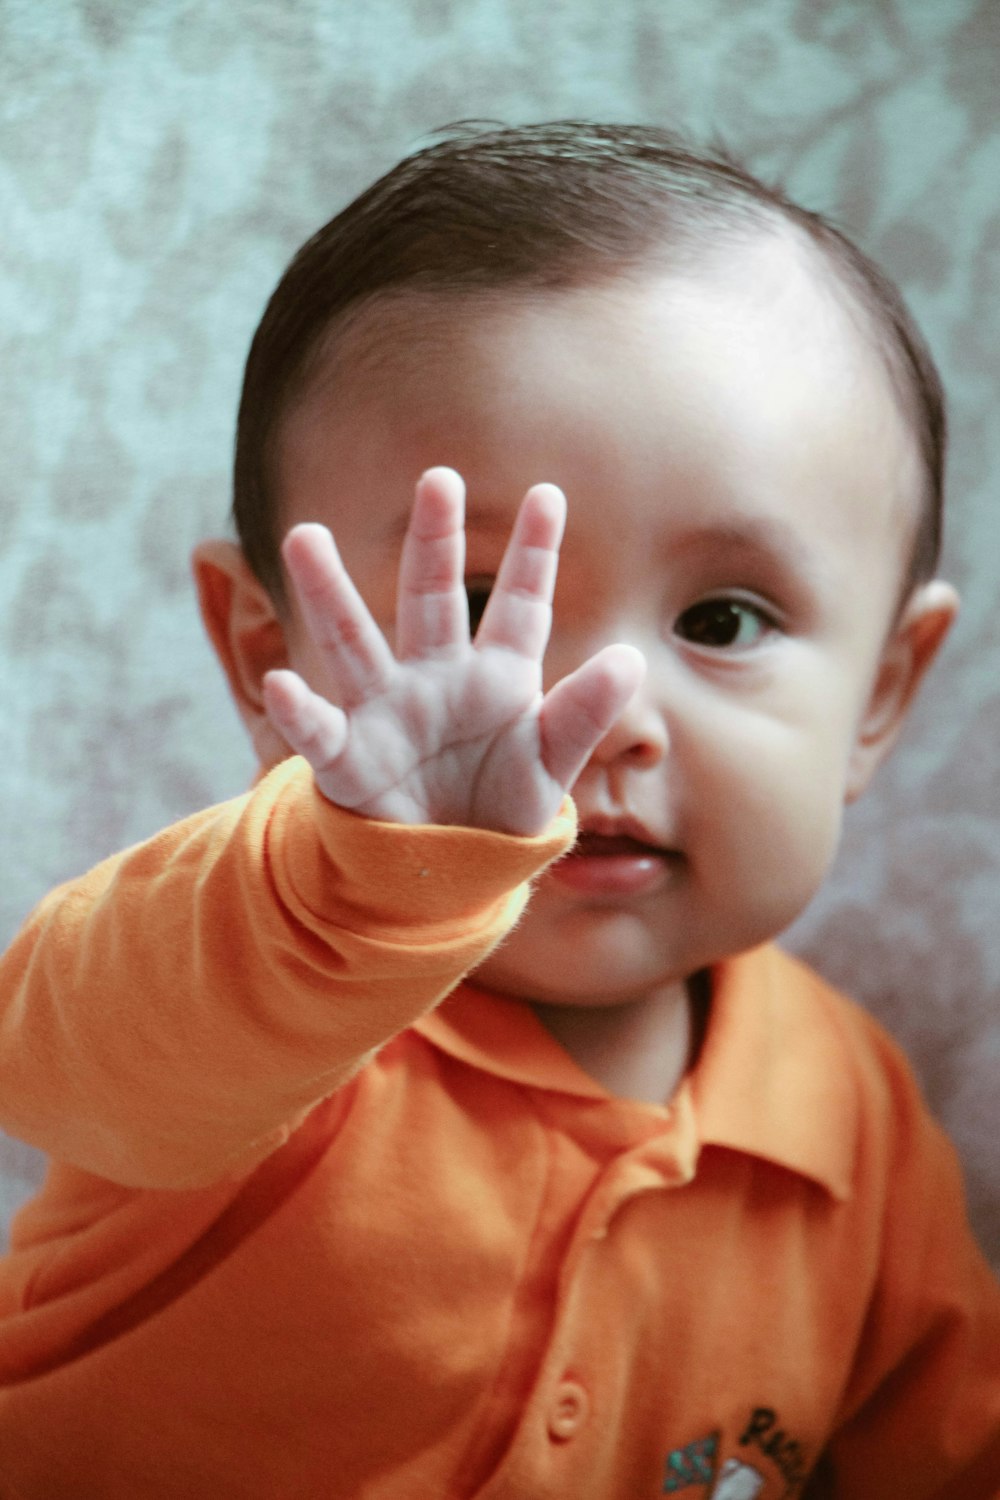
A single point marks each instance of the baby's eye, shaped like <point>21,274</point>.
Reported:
<point>477,592</point>
<point>723,624</point>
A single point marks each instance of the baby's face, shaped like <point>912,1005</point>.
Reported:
<point>738,478</point>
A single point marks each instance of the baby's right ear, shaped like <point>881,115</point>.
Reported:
<point>247,635</point>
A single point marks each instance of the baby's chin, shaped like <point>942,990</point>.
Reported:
<point>615,968</point>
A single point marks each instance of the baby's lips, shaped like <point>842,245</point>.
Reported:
<point>615,867</point>
<point>603,845</point>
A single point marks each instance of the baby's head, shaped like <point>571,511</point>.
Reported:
<point>750,434</point>
<point>522,213</point>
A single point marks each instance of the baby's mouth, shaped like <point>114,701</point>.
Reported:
<point>613,864</point>
<point>605,846</point>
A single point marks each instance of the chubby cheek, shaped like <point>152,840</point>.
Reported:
<point>765,827</point>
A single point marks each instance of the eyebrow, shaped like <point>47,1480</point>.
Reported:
<point>488,517</point>
<point>764,537</point>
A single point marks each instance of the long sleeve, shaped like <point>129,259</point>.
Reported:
<point>169,1018</point>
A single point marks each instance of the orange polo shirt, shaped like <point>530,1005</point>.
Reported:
<point>306,1235</point>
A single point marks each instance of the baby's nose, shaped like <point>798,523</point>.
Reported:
<point>638,737</point>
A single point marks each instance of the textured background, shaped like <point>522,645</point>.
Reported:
<point>160,161</point>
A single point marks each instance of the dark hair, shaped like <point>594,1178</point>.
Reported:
<point>546,206</point>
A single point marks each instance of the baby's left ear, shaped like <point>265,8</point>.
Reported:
<point>915,641</point>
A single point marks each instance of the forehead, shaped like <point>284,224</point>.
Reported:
<point>745,382</point>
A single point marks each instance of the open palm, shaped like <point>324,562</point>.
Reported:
<point>446,729</point>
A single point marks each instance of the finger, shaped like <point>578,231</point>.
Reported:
<point>335,615</point>
<point>518,615</point>
<point>432,612</point>
<point>577,713</point>
<point>312,727</point>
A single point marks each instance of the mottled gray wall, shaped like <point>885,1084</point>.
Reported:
<point>160,160</point>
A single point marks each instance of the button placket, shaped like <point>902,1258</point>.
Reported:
<point>625,1181</point>
<point>561,1412</point>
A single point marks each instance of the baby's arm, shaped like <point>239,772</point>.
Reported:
<point>446,730</point>
<point>167,1019</point>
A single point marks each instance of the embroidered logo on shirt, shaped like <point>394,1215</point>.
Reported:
<point>698,1463</point>
<point>737,1481</point>
<point>694,1464</point>
<point>764,1431</point>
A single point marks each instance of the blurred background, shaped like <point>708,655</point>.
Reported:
<point>159,163</point>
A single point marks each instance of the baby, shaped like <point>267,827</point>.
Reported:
<point>371,1178</point>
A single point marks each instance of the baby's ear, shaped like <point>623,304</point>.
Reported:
<point>247,635</point>
<point>915,641</point>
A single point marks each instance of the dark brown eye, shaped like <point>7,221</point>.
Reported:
<point>722,624</point>
<point>477,591</point>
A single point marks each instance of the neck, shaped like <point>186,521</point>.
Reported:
<point>638,1049</point>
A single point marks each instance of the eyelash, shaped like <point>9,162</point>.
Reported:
<point>729,610</point>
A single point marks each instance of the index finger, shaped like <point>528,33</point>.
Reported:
<point>518,613</point>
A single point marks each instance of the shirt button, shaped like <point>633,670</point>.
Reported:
<point>570,1409</point>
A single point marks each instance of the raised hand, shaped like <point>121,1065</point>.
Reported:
<point>445,729</point>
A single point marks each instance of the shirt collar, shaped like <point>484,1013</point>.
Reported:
<point>774,1077</point>
<point>776,1074</point>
